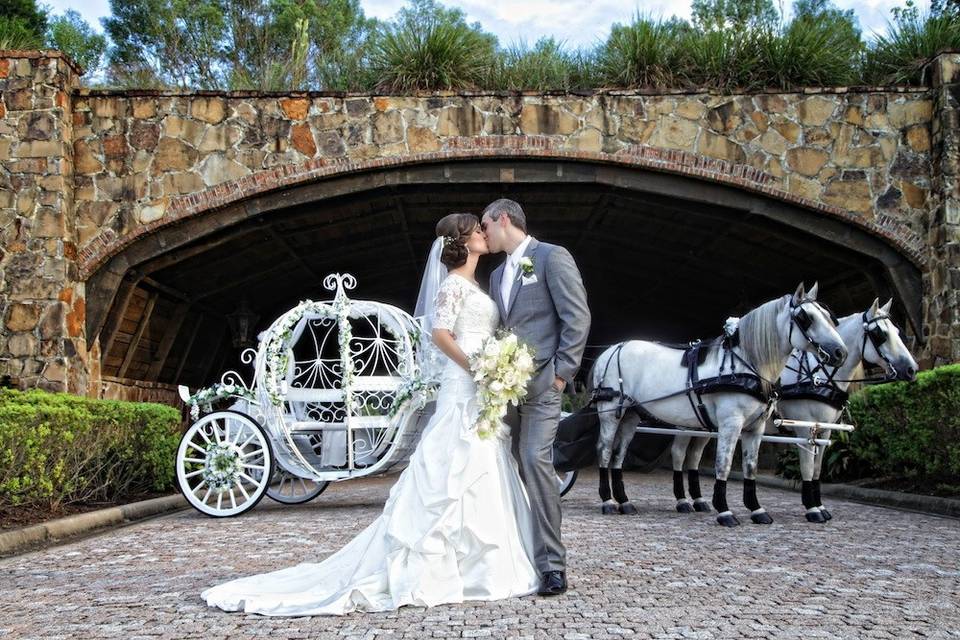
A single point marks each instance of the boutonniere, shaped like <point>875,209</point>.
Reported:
<point>526,266</point>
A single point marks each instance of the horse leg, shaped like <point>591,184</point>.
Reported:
<point>608,431</point>
<point>750,448</point>
<point>808,467</point>
<point>678,452</point>
<point>624,437</point>
<point>817,468</point>
<point>726,444</point>
<point>692,467</point>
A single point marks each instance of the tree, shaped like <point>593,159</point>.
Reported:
<point>944,7</point>
<point>22,24</point>
<point>237,44</point>
<point>71,34</point>
<point>714,15</point>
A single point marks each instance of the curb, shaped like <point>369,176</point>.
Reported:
<point>911,501</point>
<point>17,540</point>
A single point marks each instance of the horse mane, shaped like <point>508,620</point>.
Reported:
<point>856,374</point>
<point>760,340</point>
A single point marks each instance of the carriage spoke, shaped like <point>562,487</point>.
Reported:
<point>247,441</point>
<point>190,444</point>
<point>219,500</point>
<point>216,431</point>
<point>233,500</point>
<point>254,466</point>
<point>193,473</point>
<point>251,480</point>
<point>206,495</point>
<point>304,486</point>
<point>243,491</point>
<point>195,460</point>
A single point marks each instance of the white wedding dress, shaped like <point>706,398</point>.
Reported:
<point>456,526</point>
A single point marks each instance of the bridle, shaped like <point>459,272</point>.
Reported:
<point>802,321</point>
<point>877,336</point>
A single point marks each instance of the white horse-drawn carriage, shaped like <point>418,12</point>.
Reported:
<point>337,393</point>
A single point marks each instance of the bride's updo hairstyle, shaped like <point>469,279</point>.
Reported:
<point>456,229</point>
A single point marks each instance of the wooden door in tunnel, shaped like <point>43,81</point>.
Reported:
<point>667,264</point>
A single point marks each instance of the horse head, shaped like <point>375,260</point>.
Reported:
<point>883,346</point>
<point>813,327</point>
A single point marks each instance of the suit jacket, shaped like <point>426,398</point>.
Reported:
<point>548,311</point>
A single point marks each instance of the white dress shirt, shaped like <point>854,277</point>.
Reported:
<point>509,277</point>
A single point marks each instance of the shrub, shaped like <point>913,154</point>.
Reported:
<point>904,429</point>
<point>910,428</point>
<point>59,449</point>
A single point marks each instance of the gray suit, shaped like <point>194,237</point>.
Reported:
<point>552,316</point>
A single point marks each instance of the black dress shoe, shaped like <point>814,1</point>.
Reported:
<point>552,583</point>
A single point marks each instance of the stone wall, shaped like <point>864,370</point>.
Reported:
<point>140,156</point>
<point>42,342</point>
<point>84,173</point>
<point>942,276</point>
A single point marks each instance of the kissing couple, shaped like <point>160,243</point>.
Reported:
<point>469,518</point>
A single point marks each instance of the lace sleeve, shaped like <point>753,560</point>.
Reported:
<point>449,302</point>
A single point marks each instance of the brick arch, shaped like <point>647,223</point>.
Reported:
<point>98,252</point>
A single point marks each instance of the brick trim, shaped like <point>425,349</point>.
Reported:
<point>108,244</point>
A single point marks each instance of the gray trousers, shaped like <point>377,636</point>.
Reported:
<point>533,428</point>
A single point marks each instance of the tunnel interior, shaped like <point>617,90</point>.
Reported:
<point>658,263</point>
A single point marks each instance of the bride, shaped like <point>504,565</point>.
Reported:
<point>457,524</point>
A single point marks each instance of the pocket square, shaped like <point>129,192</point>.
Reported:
<point>528,279</point>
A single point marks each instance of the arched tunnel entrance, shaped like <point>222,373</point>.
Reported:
<point>663,256</point>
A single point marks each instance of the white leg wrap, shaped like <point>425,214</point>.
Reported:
<point>701,501</point>
<point>758,511</point>
<point>813,510</point>
<point>725,513</point>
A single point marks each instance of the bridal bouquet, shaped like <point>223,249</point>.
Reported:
<point>501,368</point>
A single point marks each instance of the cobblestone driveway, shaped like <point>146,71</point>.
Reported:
<point>870,573</point>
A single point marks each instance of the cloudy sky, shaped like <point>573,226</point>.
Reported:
<point>576,22</point>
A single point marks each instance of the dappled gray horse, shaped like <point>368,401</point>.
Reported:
<point>729,389</point>
<point>812,392</point>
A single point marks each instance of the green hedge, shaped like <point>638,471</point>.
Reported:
<point>59,449</point>
<point>910,428</point>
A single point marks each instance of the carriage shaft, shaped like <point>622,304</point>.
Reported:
<point>823,426</point>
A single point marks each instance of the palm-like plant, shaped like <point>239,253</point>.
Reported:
<point>900,55</point>
<point>546,66</point>
<point>643,53</point>
<point>813,50</point>
<point>430,52</point>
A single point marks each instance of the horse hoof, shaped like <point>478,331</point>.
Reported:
<point>727,519</point>
<point>826,514</point>
<point>609,509</point>
<point>761,518</point>
<point>815,516</point>
<point>702,506</point>
<point>628,509</point>
<point>685,507</point>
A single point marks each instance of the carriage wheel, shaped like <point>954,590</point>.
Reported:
<point>566,481</point>
<point>290,489</point>
<point>223,464</point>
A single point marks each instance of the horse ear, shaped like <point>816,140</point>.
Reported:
<point>886,308</point>
<point>872,312</point>
<point>798,294</point>
<point>812,294</point>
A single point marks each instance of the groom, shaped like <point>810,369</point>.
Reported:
<point>541,298</point>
